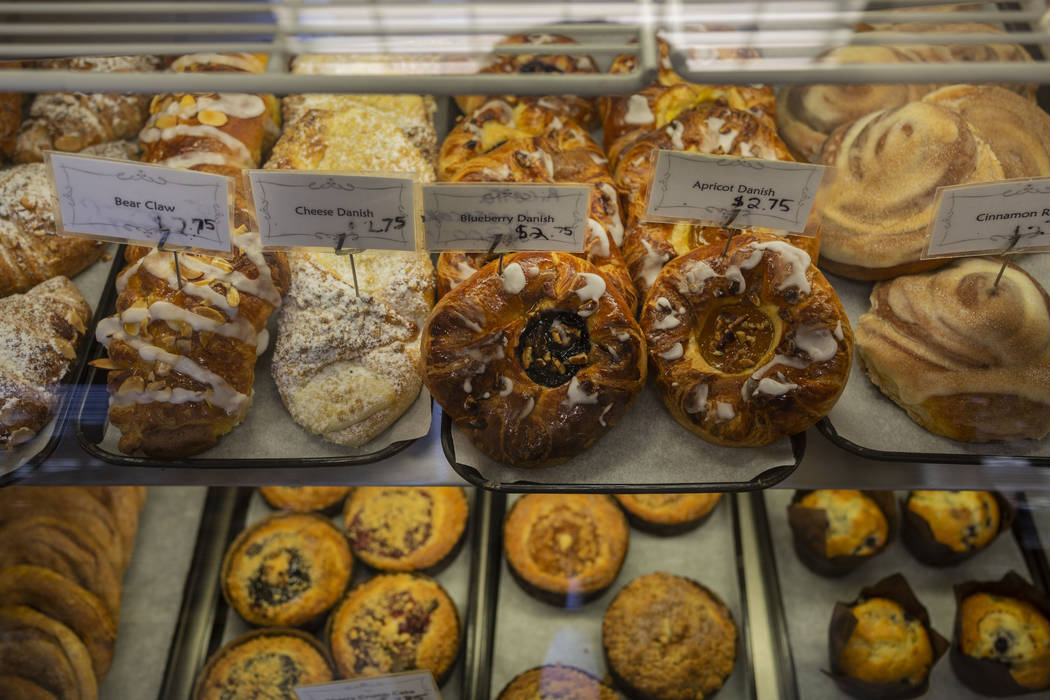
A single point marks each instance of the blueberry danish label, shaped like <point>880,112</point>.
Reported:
<point>129,202</point>
<point>1012,216</point>
<point>735,192</point>
<point>411,685</point>
<point>506,217</point>
<point>333,210</point>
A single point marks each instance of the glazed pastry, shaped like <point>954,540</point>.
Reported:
<point>557,682</point>
<point>565,549</point>
<point>667,513</point>
<point>579,109</point>
<point>534,364</point>
<point>265,663</point>
<point>393,623</point>
<point>943,527</point>
<point>1010,632</point>
<point>748,341</point>
<point>972,366</point>
<point>667,637</point>
<point>305,499</point>
<point>125,149</point>
<point>72,121</point>
<point>30,252</point>
<point>405,528</point>
<point>40,333</point>
<point>220,63</point>
<point>836,531</point>
<point>286,570</point>
<point>345,359</point>
<point>879,205</point>
<point>24,633</point>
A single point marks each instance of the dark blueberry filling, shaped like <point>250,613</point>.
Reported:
<point>553,347</point>
<point>274,583</point>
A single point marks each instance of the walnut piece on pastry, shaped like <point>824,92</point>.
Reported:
<point>964,358</point>
<point>345,361</point>
<point>534,364</point>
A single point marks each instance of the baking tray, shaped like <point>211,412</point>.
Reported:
<point>665,461</point>
<point>801,602</point>
<point>528,633</point>
<point>266,438</point>
<point>93,284</point>
<point>208,622</point>
<point>867,423</point>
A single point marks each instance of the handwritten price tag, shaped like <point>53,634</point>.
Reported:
<point>506,217</point>
<point>124,201</point>
<point>990,218</point>
<point>734,192</point>
<point>316,209</point>
<point>412,685</point>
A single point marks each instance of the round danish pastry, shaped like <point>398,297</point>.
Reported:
<point>534,364</point>
<point>748,345</point>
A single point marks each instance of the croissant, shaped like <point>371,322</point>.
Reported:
<point>965,358</point>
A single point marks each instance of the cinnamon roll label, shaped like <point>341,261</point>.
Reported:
<point>735,192</point>
<point>409,685</point>
<point>1012,216</point>
<point>124,201</point>
<point>506,217</point>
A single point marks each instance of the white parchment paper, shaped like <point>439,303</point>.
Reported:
<point>530,633</point>
<point>808,599</point>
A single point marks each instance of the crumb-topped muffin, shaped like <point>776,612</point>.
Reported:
<point>265,664</point>
<point>406,528</point>
<point>565,549</point>
<point>557,682</point>
<point>305,499</point>
<point>667,637</point>
<point>942,527</point>
<point>394,623</point>
<point>667,513</point>
<point>287,569</point>
<point>1010,632</point>
<point>887,645</point>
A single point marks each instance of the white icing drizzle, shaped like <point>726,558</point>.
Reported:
<point>597,232</point>
<point>467,386</point>
<point>486,395</point>
<point>601,418</point>
<point>697,402</point>
<point>467,323</point>
<point>506,386</point>
<point>745,150</point>
<point>262,341</point>
<point>669,320</point>
<point>622,336</point>
<point>577,396</point>
<point>238,327</point>
<point>615,224</point>
<point>638,111</point>
<point>529,404</point>
<point>235,145</point>
<point>724,411</point>
<point>818,343</point>
<point>675,130</point>
<point>748,389</point>
<point>593,288</point>
<point>723,141</point>
<point>774,388</point>
<point>695,276</point>
<point>235,104</point>
<point>672,353</point>
<point>188,160</point>
<point>513,279</point>
<point>652,263</point>
<point>838,331</point>
<point>796,257</point>
<point>598,160</point>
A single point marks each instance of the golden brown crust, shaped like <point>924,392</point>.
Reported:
<point>1007,630</point>
<point>667,512</point>
<point>749,346</point>
<point>18,621</point>
<point>887,645</point>
<point>488,343</point>
<point>14,686</point>
<point>123,503</point>
<point>856,524</point>
<point>304,499</point>
<point>557,682</point>
<point>961,520</point>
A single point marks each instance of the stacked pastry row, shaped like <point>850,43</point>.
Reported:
<point>291,571</point>
<point>63,553</point>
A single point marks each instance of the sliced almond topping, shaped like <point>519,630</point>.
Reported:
<point>162,369</point>
<point>155,386</point>
<point>21,435</point>
<point>12,415</point>
<point>65,348</point>
<point>105,363</point>
<point>139,304</point>
<point>132,385</point>
<point>190,274</point>
<point>74,320</point>
<point>212,117</point>
<point>223,264</point>
<point>166,121</point>
<point>209,313</point>
<point>155,103</point>
<point>187,102</point>
<point>131,328</point>
<point>205,338</point>
<point>233,296</point>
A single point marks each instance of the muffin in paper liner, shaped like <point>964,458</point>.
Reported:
<point>918,537</point>
<point>894,587</point>
<point>809,528</point>
<point>988,676</point>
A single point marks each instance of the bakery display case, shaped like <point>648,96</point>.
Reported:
<point>652,468</point>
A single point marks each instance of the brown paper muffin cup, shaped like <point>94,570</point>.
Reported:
<point>987,676</point>
<point>895,588</point>
<point>809,527</point>
<point>917,535</point>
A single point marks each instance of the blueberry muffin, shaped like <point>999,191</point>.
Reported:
<point>837,530</point>
<point>667,513</point>
<point>286,570</point>
<point>1007,631</point>
<point>944,527</point>
<point>557,682</point>
<point>265,664</point>
<point>887,645</point>
<point>305,499</point>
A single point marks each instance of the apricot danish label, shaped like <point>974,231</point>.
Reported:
<point>130,202</point>
<point>506,217</point>
<point>411,685</point>
<point>997,217</point>
<point>735,192</point>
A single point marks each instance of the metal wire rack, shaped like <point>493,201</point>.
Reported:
<point>440,45</point>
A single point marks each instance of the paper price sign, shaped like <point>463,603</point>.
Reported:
<point>412,685</point>
<point>316,209</point>
<point>996,217</point>
<point>506,217</point>
<point>125,201</point>
<point>734,192</point>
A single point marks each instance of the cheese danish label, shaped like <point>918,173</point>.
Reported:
<point>408,685</point>
<point>505,217</point>
<point>326,209</point>
<point>1009,216</point>
<point>734,192</point>
<point>130,202</point>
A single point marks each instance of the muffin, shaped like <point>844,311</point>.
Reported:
<point>305,499</point>
<point>264,664</point>
<point>565,549</point>
<point>667,637</point>
<point>557,682</point>
<point>946,527</point>
<point>394,623</point>
<point>667,513</point>
<point>1002,637</point>
<point>286,570</point>
<point>836,531</point>
<point>405,528</point>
